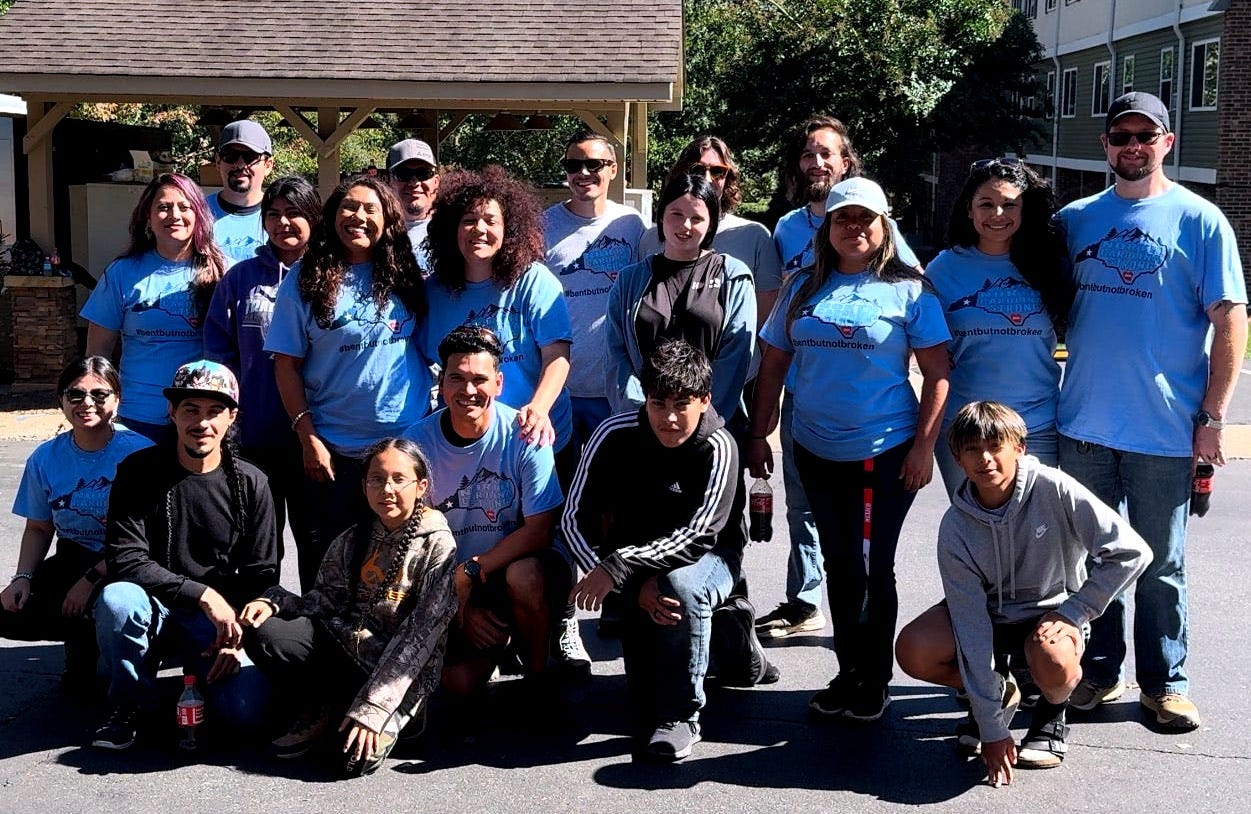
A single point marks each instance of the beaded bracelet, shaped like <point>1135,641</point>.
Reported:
<point>299,416</point>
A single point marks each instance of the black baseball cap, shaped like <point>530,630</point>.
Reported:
<point>1144,104</point>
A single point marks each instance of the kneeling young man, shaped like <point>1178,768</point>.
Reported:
<point>501,500</point>
<point>1012,553</point>
<point>190,539</point>
<point>645,516</point>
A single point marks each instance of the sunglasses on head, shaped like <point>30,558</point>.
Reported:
<point>229,155</point>
<point>714,171</point>
<point>1004,161</point>
<point>76,396</point>
<point>419,173</point>
<point>1120,138</point>
<point>573,166</point>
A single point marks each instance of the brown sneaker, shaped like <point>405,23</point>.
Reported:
<point>304,732</point>
<point>1088,695</point>
<point>1172,710</point>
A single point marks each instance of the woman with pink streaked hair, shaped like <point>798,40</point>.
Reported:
<point>153,297</point>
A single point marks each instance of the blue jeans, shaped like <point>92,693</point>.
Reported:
<point>1153,492</point>
<point>136,632</point>
<point>805,567</point>
<point>665,664</point>
<point>1041,444</point>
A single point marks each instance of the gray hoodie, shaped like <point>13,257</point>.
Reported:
<point>1017,565</point>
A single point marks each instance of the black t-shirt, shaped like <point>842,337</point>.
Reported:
<point>683,300</point>
<point>174,532</point>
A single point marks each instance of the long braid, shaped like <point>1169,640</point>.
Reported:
<point>234,476</point>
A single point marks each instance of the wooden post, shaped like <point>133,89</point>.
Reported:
<point>618,123</point>
<point>638,147</point>
<point>39,168</point>
<point>327,161</point>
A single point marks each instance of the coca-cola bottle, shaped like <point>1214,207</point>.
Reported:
<point>190,713</point>
<point>1201,489</point>
<point>760,510</point>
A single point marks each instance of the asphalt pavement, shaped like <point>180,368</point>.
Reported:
<point>760,753</point>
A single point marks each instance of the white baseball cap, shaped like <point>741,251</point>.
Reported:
<point>857,192</point>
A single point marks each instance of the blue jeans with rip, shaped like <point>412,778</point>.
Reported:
<point>1153,492</point>
<point>665,665</point>
<point>805,566</point>
<point>136,632</point>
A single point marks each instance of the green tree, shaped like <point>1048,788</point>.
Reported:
<point>907,76</point>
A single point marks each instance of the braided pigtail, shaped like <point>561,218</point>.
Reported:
<point>238,507</point>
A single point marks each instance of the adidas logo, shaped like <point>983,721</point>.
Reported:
<point>676,488</point>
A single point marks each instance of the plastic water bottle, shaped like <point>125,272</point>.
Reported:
<point>760,510</point>
<point>190,713</point>
<point>1201,489</point>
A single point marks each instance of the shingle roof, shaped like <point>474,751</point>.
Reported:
<point>509,41</point>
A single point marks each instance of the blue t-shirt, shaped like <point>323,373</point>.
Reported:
<point>486,489</point>
<point>1002,339</point>
<point>1139,336</point>
<point>70,487</point>
<point>527,316</point>
<point>585,254</point>
<point>364,375</point>
<point>850,347</point>
<point>150,302</point>
<point>795,231</point>
<point>237,235</point>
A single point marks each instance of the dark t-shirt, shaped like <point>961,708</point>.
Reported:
<point>174,532</point>
<point>683,300</point>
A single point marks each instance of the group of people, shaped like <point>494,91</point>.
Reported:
<point>476,417</point>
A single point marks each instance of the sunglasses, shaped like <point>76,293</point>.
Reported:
<point>714,171</point>
<point>232,156</point>
<point>407,174</point>
<point>1004,161</point>
<point>574,166</point>
<point>75,396</point>
<point>1120,138</point>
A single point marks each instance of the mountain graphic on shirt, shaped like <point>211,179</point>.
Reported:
<point>488,317</point>
<point>847,315</point>
<point>488,492</point>
<point>88,498</point>
<point>179,305</point>
<point>367,313</point>
<point>1129,253</point>
<point>1014,300</point>
<point>797,262</point>
<point>605,255</point>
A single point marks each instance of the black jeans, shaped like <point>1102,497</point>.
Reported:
<point>863,607</point>
<point>305,664</point>
<point>325,511</point>
<point>41,618</point>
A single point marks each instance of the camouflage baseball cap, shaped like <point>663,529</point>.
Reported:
<point>204,379</point>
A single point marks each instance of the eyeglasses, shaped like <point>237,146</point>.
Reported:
<point>232,156</point>
<point>399,483</point>
<point>573,166</point>
<point>714,171</point>
<point>1120,138</point>
<point>1003,161</point>
<point>406,174</point>
<point>75,396</point>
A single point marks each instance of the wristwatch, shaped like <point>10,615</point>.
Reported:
<point>92,576</point>
<point>1205,419</point>
<point>473,570</point>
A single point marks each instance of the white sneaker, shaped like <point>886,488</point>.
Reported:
<point>569,652</point>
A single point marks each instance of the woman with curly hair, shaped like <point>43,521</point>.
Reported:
<point>1003,289</point>
<point>486,247</point>
<point>154,297</point>
<point>343,336</point>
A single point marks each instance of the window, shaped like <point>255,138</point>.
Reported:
<point>1204,68</point>
<point>1127,74</point>
<point>1049,6</point>
<point>1068,94</point>
<point>1168,57</point>
<point>1049,94</point>
<point>1101,89</point>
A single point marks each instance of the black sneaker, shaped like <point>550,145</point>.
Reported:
<point>308,726</point>
<point>788,619</point>
<point>740,659</point>
<point>119,731</point>
<point>833,700</point>
<point>1044,744</point>
<point>867,704</point>
<point>672,741</point>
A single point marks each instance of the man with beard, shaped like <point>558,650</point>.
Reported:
<point>415,181</point>
<point>819,156</point>
<point>1157,332</point>
<point>245,157</point>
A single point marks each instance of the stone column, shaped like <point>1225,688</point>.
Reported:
<point>44,315</point>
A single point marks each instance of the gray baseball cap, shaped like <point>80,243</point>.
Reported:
<point>247,133</point>
<point>410,149</point>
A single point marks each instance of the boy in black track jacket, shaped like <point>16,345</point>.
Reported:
<point>645,516</point>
